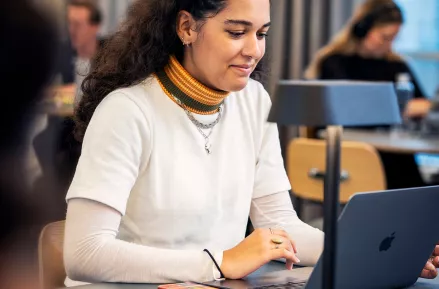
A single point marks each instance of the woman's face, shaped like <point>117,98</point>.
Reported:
<point>225,50</point>
<point>378,42</point>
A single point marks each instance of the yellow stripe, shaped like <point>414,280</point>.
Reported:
<point>189,80</point>
<point>189,89</point>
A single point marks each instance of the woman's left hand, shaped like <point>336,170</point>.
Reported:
<point>430,269</point>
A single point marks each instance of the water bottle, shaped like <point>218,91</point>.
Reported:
<point>404,90</point>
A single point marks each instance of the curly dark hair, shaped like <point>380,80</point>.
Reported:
<point>141,47</point>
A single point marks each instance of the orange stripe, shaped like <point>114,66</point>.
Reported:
<point>204,90</point>
<point>189,89</point>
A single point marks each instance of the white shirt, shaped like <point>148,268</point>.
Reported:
<point>144,158</point>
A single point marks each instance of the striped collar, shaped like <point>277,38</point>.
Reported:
<point>176,82</point>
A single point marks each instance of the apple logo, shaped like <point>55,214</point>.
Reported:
<point>387,242</point>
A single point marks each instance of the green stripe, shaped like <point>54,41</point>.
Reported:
<point>184,98</point>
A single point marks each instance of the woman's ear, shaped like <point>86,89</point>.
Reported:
<point>186,28</point>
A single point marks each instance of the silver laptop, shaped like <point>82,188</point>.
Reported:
<point>384,240</point>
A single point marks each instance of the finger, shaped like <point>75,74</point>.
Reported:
<point>436,262</point>
<point>289,265</point>
<point>436,251</point>
<point>284,234</point>
<point>284,253</point>
<point>430,266</point>
<point>285,242</point>
<point>286,246</point>
<point>427,274</point>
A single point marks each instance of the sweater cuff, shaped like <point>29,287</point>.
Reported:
<point>219,259</point>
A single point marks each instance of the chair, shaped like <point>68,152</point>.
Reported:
<point>50,256</point>
<point>361,169</point>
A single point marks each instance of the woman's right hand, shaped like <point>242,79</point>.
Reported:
<point>256,250</point>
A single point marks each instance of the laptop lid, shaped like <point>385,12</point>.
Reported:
<point>384,239</point>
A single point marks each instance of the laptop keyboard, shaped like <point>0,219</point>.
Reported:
<point>289,285</point>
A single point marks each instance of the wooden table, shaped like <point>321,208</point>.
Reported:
<point>398,142</point>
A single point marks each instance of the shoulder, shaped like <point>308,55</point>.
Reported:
<point>335,59</point>
<point>399,62</point>
<point>125,105</point>
<point>133,98</point>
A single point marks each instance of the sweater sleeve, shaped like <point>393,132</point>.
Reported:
<point>116,147</point>
<point>92,252</point>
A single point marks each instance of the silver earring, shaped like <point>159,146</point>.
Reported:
<point>182,40</point>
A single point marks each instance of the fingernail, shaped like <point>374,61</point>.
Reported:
<point>297,260</point>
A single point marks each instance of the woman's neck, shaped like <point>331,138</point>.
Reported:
<point>190,93</point>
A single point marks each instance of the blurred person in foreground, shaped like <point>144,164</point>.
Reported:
<point>24,75</point>
<point>363,51</point>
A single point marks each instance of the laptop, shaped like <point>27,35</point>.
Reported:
<point>384,240</point>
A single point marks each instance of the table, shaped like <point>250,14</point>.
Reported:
<point>273,266</point>
<point>396,142</point>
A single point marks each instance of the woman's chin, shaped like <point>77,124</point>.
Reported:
<point>238,84</point>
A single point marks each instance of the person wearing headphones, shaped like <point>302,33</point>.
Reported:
<point>363,51</point>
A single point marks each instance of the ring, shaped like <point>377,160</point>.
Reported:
<point>277,241</point>
<point>271,231</point>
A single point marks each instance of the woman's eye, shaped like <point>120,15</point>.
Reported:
<point>236,34</point>
<point>262,35</point>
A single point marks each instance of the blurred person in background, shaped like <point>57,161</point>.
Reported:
<point>363,51</point>
<point>58,163</point>
<point>84,21</point>
<point>24,74</point>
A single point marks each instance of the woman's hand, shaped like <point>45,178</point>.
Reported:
<point>430,269</point>
<point>417,107</point>
<point>262,246</point>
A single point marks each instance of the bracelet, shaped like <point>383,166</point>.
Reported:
<point>214,262</point>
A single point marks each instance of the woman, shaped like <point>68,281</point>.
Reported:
<point>177,152</point>
<point>363,51</point>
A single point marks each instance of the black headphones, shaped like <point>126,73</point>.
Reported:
<point>361,28</point>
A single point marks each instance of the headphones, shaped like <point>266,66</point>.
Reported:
<point>361,28</point>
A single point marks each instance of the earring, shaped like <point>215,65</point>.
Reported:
<point>182,40</point>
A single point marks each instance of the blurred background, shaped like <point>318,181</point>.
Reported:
<point>303,26</point>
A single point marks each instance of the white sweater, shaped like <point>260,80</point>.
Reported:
<point>156,199</point>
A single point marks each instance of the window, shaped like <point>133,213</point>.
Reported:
<point>419,41</point>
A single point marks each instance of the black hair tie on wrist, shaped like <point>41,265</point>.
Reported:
<point>214,262</point>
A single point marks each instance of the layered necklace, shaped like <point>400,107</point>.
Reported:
<point>193,97</point>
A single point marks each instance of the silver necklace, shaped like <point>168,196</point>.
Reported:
<point>200,126</point>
